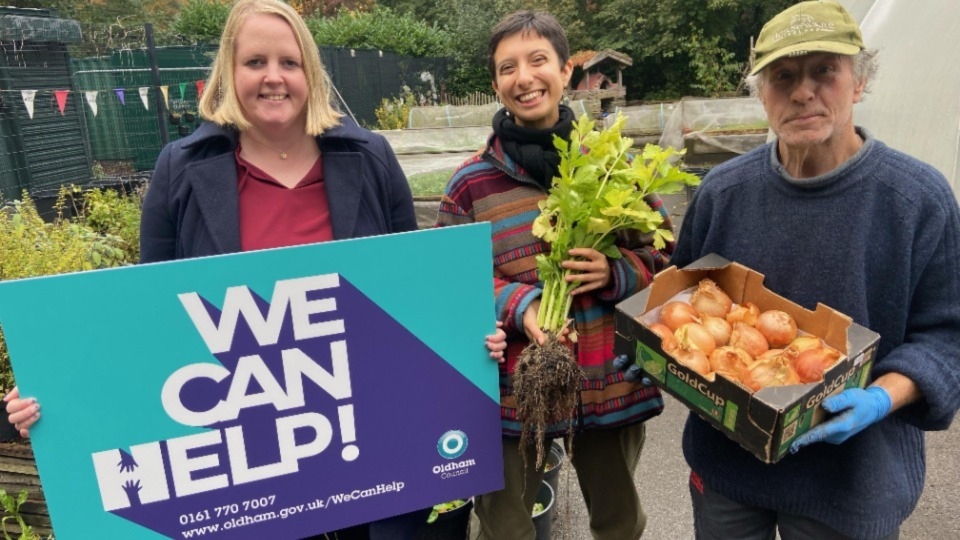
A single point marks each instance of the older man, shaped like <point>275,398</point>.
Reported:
<point>830,214</point>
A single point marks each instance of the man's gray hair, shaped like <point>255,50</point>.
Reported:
<point>865,68</point>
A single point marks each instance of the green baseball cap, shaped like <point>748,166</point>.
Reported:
<point>807,27</point>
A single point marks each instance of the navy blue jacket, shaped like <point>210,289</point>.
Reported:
<point>192,204</point>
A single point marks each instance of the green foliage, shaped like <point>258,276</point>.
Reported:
<point>329,7</point>
<point>444,507</point>
<point>11,512</point>
<point>394,113</point>
<point>429,183</point>
<point>468,22</point>
<point>31,247</point>
<point>113,213</point>
<point>717,72</point>
<point>202,21</point>
<point>381,29</point>
<point>600,190</point>
<point>657,34</point>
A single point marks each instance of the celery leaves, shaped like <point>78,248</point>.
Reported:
<point>600,190</point>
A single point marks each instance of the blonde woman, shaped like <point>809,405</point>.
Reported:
<point>274,165</point>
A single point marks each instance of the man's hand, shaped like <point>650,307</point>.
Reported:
<point>631,370</point>
<point>860,408</point>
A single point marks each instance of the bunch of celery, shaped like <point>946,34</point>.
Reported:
<point>600,190</point>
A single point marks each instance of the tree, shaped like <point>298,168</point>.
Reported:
<point>681,47</point>
<point>202,21</point>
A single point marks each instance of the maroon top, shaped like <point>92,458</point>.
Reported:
<point>272,215</point>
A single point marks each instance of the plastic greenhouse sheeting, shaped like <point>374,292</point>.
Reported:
<point>647,119</point>
<point>725,125</point>
<point>452,116</point>
<point>430,150</point>
<point>914,105</point>
<point>437,140</point>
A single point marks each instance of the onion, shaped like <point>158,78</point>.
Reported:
<point>787,355</point>
<point>769,372</point>
<point>668,342</point>
<point>694,360</point>
<point>803,343</point>
<point>730,361</point>
<point>709,299</point>
<point>693,336</point>
<point>676,313</point>
<point>745,313</point>
<point>778,327</point>
<point>811,363</point>
<point>718,327</point>
<point>749,339</point>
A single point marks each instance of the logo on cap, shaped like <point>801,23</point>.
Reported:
<point>801,24</point>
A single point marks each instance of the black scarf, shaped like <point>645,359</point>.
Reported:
<point>533,149</point>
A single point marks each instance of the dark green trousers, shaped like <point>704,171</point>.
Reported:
<point>605,461</point>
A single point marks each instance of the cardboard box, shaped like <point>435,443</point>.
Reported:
<point>767,421</point>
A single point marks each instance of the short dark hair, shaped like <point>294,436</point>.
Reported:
<point>538,22</point>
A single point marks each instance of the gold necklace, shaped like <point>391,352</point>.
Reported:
<point>283,153</point>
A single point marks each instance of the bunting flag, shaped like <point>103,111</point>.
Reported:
<point>92,100</point>
<point>28,96</point>
<point>61,96</point>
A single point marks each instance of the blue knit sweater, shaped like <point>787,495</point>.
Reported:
<point>878,239</point>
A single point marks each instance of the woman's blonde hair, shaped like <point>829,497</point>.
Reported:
<point>219,101</point>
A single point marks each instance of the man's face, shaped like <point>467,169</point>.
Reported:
<point>809,100</point>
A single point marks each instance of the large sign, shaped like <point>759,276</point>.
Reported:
<point>272,394</point>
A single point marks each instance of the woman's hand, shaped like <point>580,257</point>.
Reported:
<point>532,328</point>
<point>497,343</point>
<point>530,325</point>
<point>592,271</point>
<point>23,412</point>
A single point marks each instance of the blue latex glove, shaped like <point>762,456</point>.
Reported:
<point>860,408</point>
<point>632,370</point>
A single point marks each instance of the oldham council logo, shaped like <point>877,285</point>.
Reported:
<point>452,444</point>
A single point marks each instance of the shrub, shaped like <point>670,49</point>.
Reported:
<point>394,113</point>
<point>114,213</point>
<point>30,247</point>
<point>382,29</point>
<point>202,21</point>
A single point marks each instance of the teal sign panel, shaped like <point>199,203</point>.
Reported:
<point>271,394</point>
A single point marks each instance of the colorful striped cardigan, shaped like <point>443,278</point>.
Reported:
<point>492,187</point>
